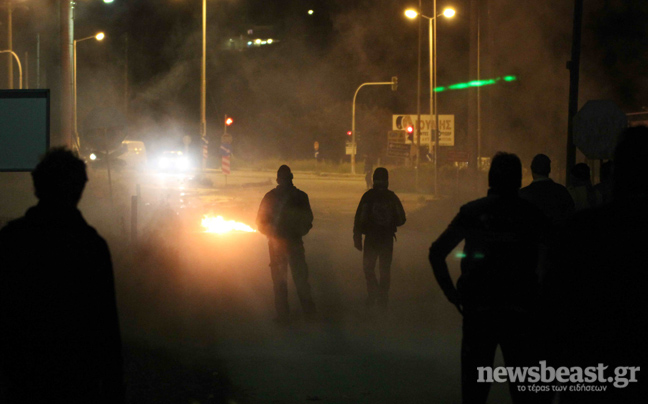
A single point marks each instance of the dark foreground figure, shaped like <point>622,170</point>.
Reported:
<point>596,285</point>
<point>285,216</point>
<point>551,198</point>
<point>378,215</point>
<point>59,335</point>
<point>498,288</point>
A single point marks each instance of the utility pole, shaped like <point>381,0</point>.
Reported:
<point>126,75</point>
<point>67,81</point>
<point>203,82</point>
<point>574,74</point>
<point>10,83</point>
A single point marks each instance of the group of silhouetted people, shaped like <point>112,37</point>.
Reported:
<point>547,273</point>
<point>554,274</point>
<point>285,216</point>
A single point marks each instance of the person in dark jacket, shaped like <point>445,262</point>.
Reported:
<point>595,287</point>
<point>59,330</point>
<point>551,198</point>
<point>583,193</point>
<point>498,289</point>
<point>605,186</point>
<point>285,216</point>
<point>378,215</point>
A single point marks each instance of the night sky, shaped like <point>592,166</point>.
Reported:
<point>300,88</point>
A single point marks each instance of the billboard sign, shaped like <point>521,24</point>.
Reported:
<point>24,128</point>
<point>446,128</point>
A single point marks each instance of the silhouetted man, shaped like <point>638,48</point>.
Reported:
<point>285,216</point>
<point>378,215</point>
<point>605,186</point>
<point>368,169</point>
<point>59,331</point>
<point>583,193</point>
<point>498,287</point>
<point>596,287</point>
<point>551,198</point>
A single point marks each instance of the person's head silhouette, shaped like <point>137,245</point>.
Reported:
<point>630,168</point>
<point>381,178</point>
<point>60,177</point>
<point>284,175</point>
<point>580,174</point>
<point>505,174</point>
<point>541,165</point>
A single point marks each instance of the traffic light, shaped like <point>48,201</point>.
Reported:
<point>394,85</point>
<point>349,133</point>
<point>229,121</point>
<point>410,133</point>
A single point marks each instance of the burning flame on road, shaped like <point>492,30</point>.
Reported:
<point>219,225</point>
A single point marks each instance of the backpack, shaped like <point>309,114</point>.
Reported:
<point>382,213</point>
<point>293,217</point>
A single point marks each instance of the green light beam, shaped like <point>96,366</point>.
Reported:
<point>475,83</point>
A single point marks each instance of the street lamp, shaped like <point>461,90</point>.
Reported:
<point>394,84</point>
<point>203,82</point>
<point>19,66</point>
<point>448,13</point>
<point>99,36</point>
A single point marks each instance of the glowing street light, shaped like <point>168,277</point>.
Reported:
<point>411,14</point>
<point>449,12</point>
<point>99,37</point>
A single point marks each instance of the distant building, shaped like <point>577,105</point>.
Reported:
<point>255,37</point>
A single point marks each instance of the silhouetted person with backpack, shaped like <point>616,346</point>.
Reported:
<point>285,216</point>
<point>59,330</point>
<point>378,215</point>
<point>595,287</point>
<point>498,290</point>
<point>551,198</point>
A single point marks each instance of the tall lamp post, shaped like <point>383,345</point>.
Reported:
<point>100,36</point>
<point>394,84</point>
<point>448,13</point>
<point>203,82</point>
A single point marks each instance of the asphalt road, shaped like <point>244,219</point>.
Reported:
<point>196,309</point>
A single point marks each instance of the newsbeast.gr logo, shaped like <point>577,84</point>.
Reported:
<point>579,379</point>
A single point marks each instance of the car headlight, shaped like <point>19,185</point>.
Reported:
<point>182,163</point>
<point>163,162</point>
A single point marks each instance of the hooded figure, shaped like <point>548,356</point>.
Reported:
<point>285,216</point>
<point>378,215</point>
<point>59,338</point>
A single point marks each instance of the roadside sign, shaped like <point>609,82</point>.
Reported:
<point>351,148</point>
<point>596,128</point>
<point>457,156</point>
<point>226,149</point>
<point>398,149</point>
<point>396,136</point>
<point>446,128</point>
<point>225,165</point>
<point>226,139</point>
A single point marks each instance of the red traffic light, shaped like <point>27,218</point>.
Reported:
<point>349,133</point>
<point>410,129</point>
<point>229,121</point>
